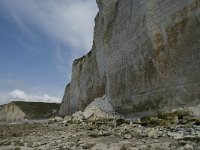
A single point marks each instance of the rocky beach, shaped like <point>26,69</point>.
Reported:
<point>137,89</point>
<point>95,130</point>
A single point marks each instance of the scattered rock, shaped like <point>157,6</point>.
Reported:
<point>58,119</point>
<point>168,119</point>
<point>175,135</point>
<point>51,120</point>
<point>94,112</point>
<point>181,148</point>
<point>188,147</point>
<point>67,118</point>
<point>77,117</point>
<point>77,132</point>
<point>153,133</point>
<point>127,136</point>
<point>88,144</point>
<point>66,121</point>
<point>125,147</point>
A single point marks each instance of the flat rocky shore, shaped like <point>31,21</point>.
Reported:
<point>101,133</point>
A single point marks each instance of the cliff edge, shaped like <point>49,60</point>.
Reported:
<point>145,57</point>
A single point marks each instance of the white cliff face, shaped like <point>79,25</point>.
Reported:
<point>85,85</point>
<point>11,112</point>
<point>145,56</point>
<point>65,106</point>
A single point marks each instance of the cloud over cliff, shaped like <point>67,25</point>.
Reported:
<point>68,21</point>
<point>19,95</point>
<point>42,38</point>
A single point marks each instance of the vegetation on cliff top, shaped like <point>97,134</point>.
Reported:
<point>35,110</point>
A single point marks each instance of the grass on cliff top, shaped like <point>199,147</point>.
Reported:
<point>36,110</point>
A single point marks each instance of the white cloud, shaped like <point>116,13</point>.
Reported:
<point>68,21</point>
<point>19,95</point>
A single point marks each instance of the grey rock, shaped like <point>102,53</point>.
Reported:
<point>127,136</point>
<point>153,133</point>
<point>181,148</point>
<point>67,119</point>
<point>188,147</point>
<point>94,112</point>
<point>78,116</point>
<point>58,119</point>
<point>51,120</point>
<point>175,135</point>
<point>88,145</point>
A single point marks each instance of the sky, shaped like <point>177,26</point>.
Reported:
<point>39,39</point>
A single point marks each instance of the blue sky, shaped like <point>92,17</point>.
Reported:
<point>39,39</point>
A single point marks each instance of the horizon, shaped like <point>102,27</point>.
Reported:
<point>37,49</point>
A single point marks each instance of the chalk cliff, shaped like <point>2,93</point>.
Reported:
<point>18,111</point>
<point>145,57</point>
<point>11,112</point>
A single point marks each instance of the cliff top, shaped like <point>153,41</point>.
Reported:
<point>36,110</point>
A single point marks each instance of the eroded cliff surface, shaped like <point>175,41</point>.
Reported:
<point>145,57</point>
<point>85,85</point>
<point>18,111</point>
<point>11,112</point>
